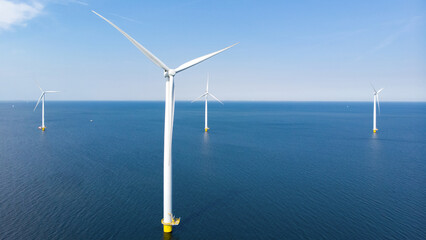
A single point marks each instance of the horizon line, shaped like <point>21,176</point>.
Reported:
<point>403,101</point>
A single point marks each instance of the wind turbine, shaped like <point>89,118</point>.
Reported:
<point>169,219</point>
<point>205,95</point>
<point>42,97</point>
<point>376,99</point>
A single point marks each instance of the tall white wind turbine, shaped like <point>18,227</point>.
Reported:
<point>205,95</point>
<point>169,219</point>
<point>376,100</point>
<point>42,97</point>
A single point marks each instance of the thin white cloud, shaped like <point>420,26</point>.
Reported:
<point>67,2</point>
<point>17,13</point>
<point>127,18</point>
<point>408,25</point>
<point>79,2</point>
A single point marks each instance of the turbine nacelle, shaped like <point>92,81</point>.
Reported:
<point>374,89</point>
<point>43,93</point>
<point>170,72</point>
<point>206,94</point>
<point>376,95</point>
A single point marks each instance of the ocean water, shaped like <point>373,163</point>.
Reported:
<point>289,170</point>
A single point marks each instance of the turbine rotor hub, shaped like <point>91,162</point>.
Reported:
<point>170,72</point>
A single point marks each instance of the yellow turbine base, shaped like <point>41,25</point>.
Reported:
<point>206,129</point>
<point>375,130</point>
<point>43,128</point>
<point>167,228</point>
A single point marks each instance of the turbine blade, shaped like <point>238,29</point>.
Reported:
<point>173,109</point>
<point>145,51</point>
<point>173,115</point>
<point>208,78</point>
<point>38,101</point>
<point>38,85</point>
<point>373,88</point>
<point>380,90</point>
<point>215,98</point>
<point>200,59</point>
<point>199,97</point>
<point>378,102</point>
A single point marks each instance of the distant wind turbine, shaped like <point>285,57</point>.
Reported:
<point>169,219</point>
<point>205,95</point>
<point>376,99</point>
<point>42,97</point>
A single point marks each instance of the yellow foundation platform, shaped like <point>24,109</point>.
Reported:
<point>43,128</point>
<point>167,227</point>
<point>375,130</point>
<point>206,129</point>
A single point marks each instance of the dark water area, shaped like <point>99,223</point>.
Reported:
<point>289,170</point>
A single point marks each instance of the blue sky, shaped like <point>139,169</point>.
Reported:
<point>289,50</point>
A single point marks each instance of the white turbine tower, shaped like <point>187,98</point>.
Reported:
<point>168,218</point>
<point>376,99</point>
<point>205,95</point>
<point>42,97</point>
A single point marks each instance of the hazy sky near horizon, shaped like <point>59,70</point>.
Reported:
<point>289,50</point>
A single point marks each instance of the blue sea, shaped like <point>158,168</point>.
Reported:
<point>265,170</point>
